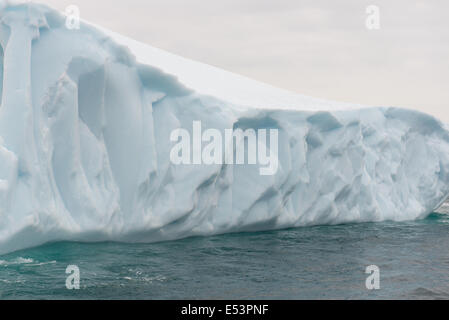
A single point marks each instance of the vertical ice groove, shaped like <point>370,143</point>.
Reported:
<point>1,72</point>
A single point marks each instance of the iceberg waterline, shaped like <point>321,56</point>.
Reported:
<point>85,123</point>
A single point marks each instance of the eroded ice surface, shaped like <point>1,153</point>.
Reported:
<point>85,120</point>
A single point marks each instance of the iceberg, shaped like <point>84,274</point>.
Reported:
<point>85,122</point>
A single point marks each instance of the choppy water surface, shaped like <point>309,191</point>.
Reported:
<point>303,263</point>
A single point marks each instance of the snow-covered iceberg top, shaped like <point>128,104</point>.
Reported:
<point>86,117</point>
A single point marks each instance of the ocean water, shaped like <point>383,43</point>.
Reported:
<point>322,262</point>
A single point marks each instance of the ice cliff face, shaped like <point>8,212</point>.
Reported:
<point>85,123</point>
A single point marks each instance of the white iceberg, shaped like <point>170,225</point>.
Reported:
<point>85,122</point>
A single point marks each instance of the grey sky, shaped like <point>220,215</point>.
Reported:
<point>314,47</point>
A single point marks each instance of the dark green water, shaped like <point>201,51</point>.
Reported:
<point>303,263</point>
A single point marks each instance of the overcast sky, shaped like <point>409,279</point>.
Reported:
<point>314,47</point>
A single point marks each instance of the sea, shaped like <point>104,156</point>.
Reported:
<point>410,260</point>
